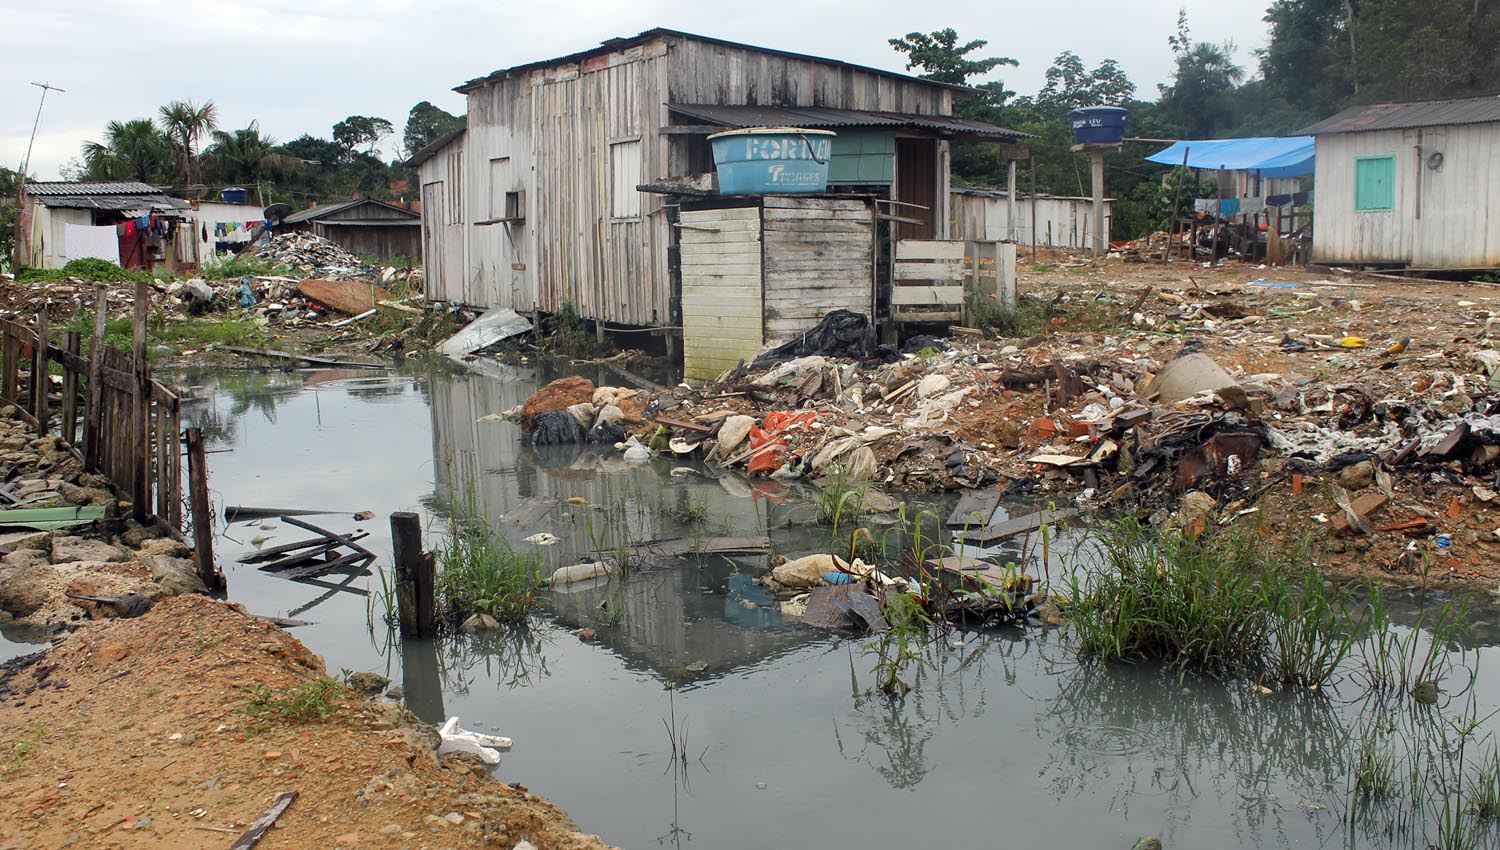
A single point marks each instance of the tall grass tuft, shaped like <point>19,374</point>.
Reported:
<point>840,501</point>
<point>479,572</point>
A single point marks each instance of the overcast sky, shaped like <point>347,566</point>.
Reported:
<point>299,67</point>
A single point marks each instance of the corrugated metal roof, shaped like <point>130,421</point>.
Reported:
<point>112,187</point>
<point>1401,116</point>
<point>317,212</point>
<point>809,116</point>
<point>649,35</point>
<point>116,203</point>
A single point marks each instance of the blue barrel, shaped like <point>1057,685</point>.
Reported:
<point>772,160</point>
<point>1098,125</point>
<point>235,196</point>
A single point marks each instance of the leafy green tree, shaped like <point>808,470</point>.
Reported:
<point>9,185</point>
<point>1200,98</point>
<point>1069,85</point>
<point>185,123</point>
<point>940,57</point>
<point>132,149</point>
<point>245,156</point>
<point>424,124</point>
<point>358,131</point>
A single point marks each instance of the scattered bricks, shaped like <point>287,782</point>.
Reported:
<point>1365,505</point>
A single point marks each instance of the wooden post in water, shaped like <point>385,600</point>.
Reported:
<point>415,577</point>
<point>73,344</point>
<point>140,411</point>
<point>202,511</point>
<point>92,414</point>
<point>41,373</point>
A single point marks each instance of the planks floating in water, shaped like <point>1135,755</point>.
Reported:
<point>1018,525</point>
<point>974,508</point>
<point>678,547</point>
<point>304,358</point>
<point>308,559</point>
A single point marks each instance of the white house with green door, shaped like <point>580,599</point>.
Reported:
<point>1409,184</point>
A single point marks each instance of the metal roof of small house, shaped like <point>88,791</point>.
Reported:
<point>113,196</point>
<point>808,116</point>
<point>431,149</point>
<point>325,210</point>
<point>1401,116</point>
<point>614,44</point>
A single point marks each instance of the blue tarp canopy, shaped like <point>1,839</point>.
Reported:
<point>1272,156</point>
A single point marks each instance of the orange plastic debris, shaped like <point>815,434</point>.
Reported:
<point>767,446</point>
<point>1296,483</point>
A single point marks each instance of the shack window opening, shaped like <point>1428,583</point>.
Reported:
<point>1374,183</point>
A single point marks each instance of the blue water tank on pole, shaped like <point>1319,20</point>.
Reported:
<point>235,196</point>
<point>1098,125</point>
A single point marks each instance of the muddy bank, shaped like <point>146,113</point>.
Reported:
<point>190,758</point>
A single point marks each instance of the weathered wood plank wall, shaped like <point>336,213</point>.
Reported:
<point>722,303</point>
<point>1443,217</point>
<point>819,257</point>
<point>572,135</point>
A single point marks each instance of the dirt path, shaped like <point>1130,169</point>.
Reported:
<point>135,734</point>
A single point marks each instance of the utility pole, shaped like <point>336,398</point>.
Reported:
<point>45,87</point>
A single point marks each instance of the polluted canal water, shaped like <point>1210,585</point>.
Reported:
<point>700,716</point>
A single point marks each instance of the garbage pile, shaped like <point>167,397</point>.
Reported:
<point>311,253</point>
<point>1306,401</point>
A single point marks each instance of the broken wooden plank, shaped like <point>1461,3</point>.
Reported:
<point>235,513</point>
<point>1017,525</point>
<point>344,539</point>
<point>363,560</point>
<point>530,511</point>
<point>324,550</point>
<point>273,551</point>
<point>263,824</point>
<point>682,424</point>
<point>975,507</point>
<point>302,358</point>
<point>679,547</point>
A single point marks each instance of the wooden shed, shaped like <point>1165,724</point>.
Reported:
<point>1048,221</point>
<point>761,270</point>
<point>1409,184</point>
<point>365,227</point>
<point>536,203</point>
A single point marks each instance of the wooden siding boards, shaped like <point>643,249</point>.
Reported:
<point>556,124</point>
<point>722,310</point>
<point>1060,222</point>
<point>1457,225</point>
<point>819,257</point>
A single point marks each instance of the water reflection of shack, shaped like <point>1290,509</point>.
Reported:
<point>681,617</point>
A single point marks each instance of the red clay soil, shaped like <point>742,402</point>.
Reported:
<point>561,394</point>
<point>135,734</point>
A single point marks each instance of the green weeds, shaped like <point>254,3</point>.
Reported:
<point>570,333</point>
<point>86,269</point>
<point>1027,317</point>
<point>234,266</point>
<point>305,703</point>
<point>839,501</point>
<point>480,573</point>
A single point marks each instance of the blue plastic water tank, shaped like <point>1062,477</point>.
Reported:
<point>235,196</point>
<point>772,160</point>
<point>1098,125</point>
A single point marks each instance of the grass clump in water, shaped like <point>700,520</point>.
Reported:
<point>840,501</point>
<point>479,572</point>
<point>1221,603</point>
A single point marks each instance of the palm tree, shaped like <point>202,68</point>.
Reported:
<point>185,123</point>
<point>131,148</point>
<point>244,155</point>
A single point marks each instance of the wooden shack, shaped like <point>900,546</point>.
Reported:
<point>1409,184</point>
<point>537,203</point>
<point>363,226</point>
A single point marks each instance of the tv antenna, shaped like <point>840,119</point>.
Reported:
<point>45,87</point>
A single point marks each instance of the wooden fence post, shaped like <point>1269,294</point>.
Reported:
<point>10,371</point>
<point>73,344</point>
<point>415,577</point>
<point>41,373</point>
<point>93,413</point>
<point>140,412</point>
<point>202,511</point>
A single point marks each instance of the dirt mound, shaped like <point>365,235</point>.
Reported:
<point>145,733</point>
<point>561,394</point>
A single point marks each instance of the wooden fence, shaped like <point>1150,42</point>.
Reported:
<point>130,422</point>
<point>933,277</point>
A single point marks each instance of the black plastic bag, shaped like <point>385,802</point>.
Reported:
<point>842,333</point>
<point>556,428</point>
